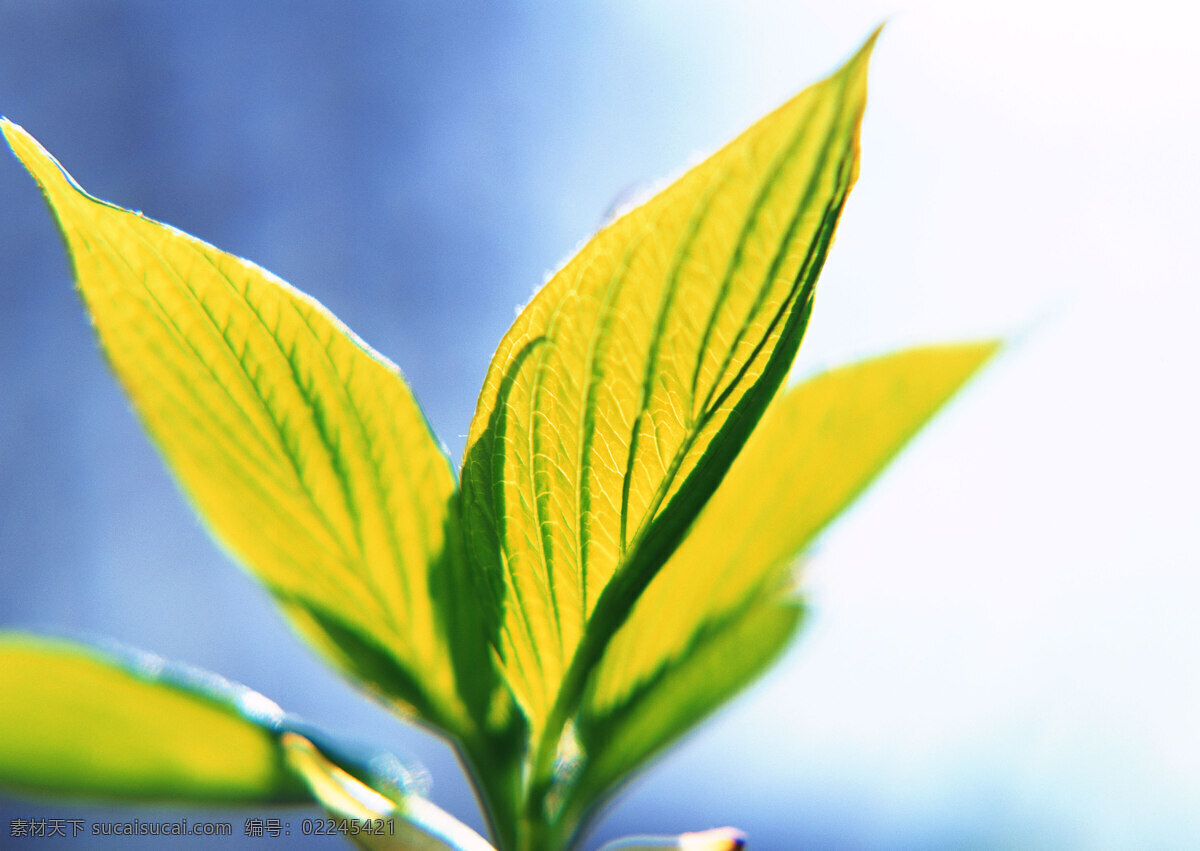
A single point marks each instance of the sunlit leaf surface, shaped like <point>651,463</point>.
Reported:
<point>624,543</point>
<point>725,603</point>
<point>79,721</point>
<point>619,397</point>
<point>301,447</point>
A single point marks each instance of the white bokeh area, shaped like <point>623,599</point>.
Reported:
<point>1003,648</point>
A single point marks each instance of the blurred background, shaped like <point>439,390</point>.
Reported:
<point>1003,650</point>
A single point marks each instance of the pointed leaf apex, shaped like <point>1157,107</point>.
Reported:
<point>40,163</point>
<point>862,57</point>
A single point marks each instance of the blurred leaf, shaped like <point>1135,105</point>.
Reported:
<point>83,722</point>
<point>723,656</point>
<point>301,447</point>
<point>621,394</point>
<point>373,819</point>
<point>718,839</point>
<point>724,605</point>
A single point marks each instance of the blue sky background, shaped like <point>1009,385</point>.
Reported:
<point>1003,650</point>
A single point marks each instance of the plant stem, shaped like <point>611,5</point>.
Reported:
<point>495,775</point>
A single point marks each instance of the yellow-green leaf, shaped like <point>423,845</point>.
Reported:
<point>302,448</point>
<point>724,604</point>
<point>617,400</point>
<point>78,721</point>
<point>722,656</point>
<point>372,819</point>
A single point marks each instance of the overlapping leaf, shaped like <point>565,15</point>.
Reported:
<point>302,448</point>
<point>619,397</point>
<point>78,721</point>
<point>629,585</point>
<point>375,820</point>
<point>725,604</point>
<point>123,724</point>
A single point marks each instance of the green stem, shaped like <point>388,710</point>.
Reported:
<point>494,770</point>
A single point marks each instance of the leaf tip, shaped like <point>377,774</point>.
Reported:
<point>863,55</point>
<point>987,349</point>
<point>14,134</point>
<point>39,162</point>
<point>18,137</point>
<point>869,44</point>
<point>970,356</point>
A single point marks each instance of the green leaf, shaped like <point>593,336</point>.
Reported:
<point>618,399</point>
<point>724,605</point>
<point>302,448</point>
<point>121,724</point>
<point>376,818</point>
<point>83,722</point>
<point>723,656</point>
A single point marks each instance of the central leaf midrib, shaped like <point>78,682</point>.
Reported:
<point>595,642</point>
<point>400,571</point>
<point>317,421</point>
<point>336,458</point>
<point>166,318</point>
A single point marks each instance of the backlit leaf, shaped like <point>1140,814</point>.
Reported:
<point>724,605</point>
<point>302,448</point>
<point>617,400</point>
<point>373,819</point>
<point>723,655</point>
<point>83,722</point>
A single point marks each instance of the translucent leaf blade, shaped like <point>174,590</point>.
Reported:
<point>387,822</point>
<point>722,657</point>
<point>78,721</point>
<point>717,613</point>
<point>302,448</point>
<point>618,398</point>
